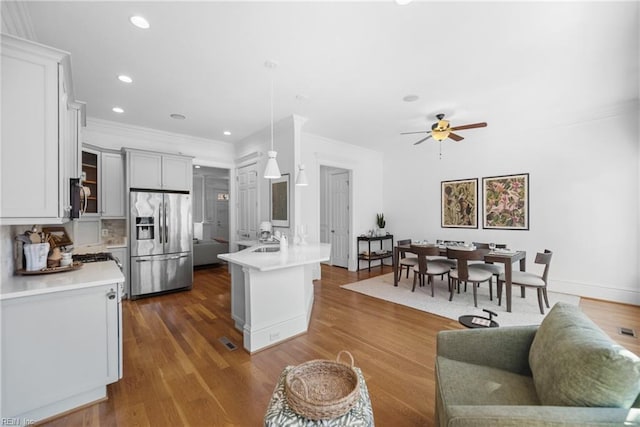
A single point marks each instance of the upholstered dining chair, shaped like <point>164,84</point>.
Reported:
<point>426,268</point>
<point>466,272</point>
<point>404,260</point>
<point>495,269</point>
<point>446,260</point>
<point>531,280</point>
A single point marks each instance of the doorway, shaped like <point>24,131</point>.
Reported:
<point>211,203</point>
<point>335,213</point>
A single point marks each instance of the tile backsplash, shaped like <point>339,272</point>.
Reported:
<point>114,231</point>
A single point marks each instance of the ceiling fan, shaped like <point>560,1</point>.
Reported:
<point>442,130</point>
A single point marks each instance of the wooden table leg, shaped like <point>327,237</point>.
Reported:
<point>507,284</point>
<point>523,267</point>
<point>396,261</point>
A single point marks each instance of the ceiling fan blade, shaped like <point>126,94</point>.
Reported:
<point>455,137</point>
<point>409,133</point>
<point>422,140</point>
<point>470,126</point>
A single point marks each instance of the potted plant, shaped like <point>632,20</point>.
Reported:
<point>381,224</point>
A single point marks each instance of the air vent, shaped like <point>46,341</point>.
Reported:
<point>227,343</point>
<point>627,332</point>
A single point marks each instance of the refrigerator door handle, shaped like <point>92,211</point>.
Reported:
<point>163,230</point>
<point>166,230</point>
<point>178,256</point>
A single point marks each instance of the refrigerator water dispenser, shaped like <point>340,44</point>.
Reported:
<point>145,228</point>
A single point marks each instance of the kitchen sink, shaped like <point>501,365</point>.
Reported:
<point>267,249</point>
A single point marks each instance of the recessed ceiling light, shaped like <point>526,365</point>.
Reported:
<point>226,132</point>
<point>125,79</point>
<point>139,22</point>
<point>178,116</point>
<point>197,166</point>
<point>410,98</point>
<point>403,2</point>
<point>117,110</point>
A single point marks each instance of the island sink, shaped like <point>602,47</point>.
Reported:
<point>267,249</point>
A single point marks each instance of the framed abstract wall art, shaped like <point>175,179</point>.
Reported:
<point>506,202</point>
<point>459,203</point>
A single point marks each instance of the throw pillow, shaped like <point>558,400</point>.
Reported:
<point>574,363</point>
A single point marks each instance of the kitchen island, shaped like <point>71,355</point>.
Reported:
<point>61,341</point>
<point>272,291</point>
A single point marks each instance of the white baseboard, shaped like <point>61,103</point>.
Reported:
<point>601,292</point>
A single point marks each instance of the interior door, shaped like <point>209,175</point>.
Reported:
<point>339,218</point>
<point>248,202</point>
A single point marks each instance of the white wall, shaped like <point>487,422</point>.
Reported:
<point>366,188</point>
<point>584,189</point>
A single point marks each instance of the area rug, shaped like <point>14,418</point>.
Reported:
<point>524,311</point>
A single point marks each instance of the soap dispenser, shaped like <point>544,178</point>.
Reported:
<point>283,243</point>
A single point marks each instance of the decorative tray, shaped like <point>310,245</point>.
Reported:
<point>73,266</point>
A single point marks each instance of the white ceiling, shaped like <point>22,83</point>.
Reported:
<point>517,65</point>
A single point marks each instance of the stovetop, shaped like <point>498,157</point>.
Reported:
<point>94,257</point>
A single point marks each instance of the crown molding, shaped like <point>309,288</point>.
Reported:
<point>129,131</point>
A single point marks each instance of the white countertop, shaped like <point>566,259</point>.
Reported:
<point>291,257</point>
<point>89,275</point>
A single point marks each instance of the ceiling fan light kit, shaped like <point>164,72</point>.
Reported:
<point>442,130</point>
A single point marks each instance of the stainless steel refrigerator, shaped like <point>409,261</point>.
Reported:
<point>161,239</point>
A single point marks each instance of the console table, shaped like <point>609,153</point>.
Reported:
<point>381,254</point>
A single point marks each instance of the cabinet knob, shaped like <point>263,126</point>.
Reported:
<point>111,294</point>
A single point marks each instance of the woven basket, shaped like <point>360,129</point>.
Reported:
<point>322,389</point>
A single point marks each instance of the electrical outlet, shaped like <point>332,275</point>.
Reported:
<point>274,336</point>
<point>105,232</point>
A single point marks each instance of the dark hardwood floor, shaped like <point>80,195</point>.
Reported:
<point>177,372</point>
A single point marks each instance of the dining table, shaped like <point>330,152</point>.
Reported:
<point>501,256</point>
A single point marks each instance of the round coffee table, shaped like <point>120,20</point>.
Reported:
<point>473,321</point>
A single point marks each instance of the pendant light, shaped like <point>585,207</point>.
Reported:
<point>272,170</point>
<point>301,180</point>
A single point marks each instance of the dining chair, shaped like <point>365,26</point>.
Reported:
<point>531,280</point>
<point>403,260</point>
<point>426,268</point>
<point>446,260</point>
<point>495,269</point>
<point>466,272</point>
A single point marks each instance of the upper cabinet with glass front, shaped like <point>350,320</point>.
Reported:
<point>40,126</point>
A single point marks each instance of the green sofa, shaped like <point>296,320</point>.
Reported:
<point>565,372</point>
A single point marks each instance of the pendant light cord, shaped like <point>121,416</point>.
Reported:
<point>271,97</point>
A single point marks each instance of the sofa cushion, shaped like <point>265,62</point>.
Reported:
<point>574,363</point>
<point>469,384</point>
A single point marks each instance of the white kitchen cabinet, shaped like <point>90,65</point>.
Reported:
<point>177,172</point>
<point>59,350</point>
<point>38,133</point>
<point>112,185</point>
<point>158,171</point>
